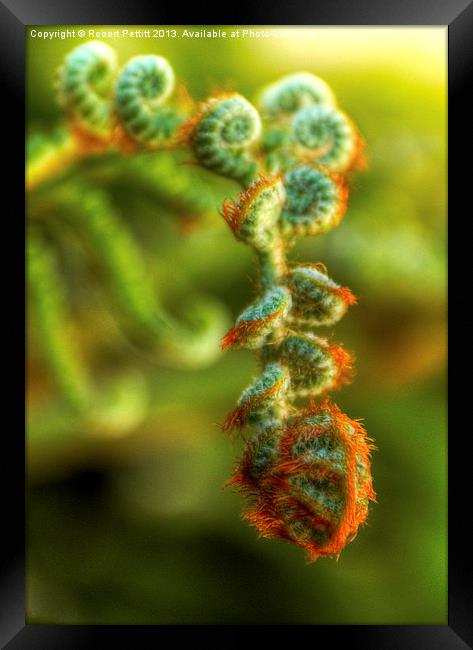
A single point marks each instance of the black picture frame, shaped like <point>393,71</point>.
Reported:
<point>15,15</point>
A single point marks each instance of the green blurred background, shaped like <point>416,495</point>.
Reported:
<point>135,527</point>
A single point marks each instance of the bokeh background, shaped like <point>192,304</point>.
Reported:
<point>133,526</point>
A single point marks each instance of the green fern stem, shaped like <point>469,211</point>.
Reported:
<point>47,297</point>
<point>101,229</point>
<point>272,264</point>
<point>135,296</point>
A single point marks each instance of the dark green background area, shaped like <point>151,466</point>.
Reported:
<point>138,528</point>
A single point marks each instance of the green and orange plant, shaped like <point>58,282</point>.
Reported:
<point>305,469</point>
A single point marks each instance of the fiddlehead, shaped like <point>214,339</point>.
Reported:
<point>260,397</point>
<point>142,89</point>
<point>311,483</point>
<point>306,473</point>
<point>85,88</point>
<point>303,124</point>
<point>325,135</point>
<point>317,299</point>
<point>254,215</point>
<point>259,319</point>
<point>222,136</point>
<point>315,202</point>
<point>316,366</point>
<point>293,92</point>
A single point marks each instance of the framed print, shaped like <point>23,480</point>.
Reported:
<point>234,257</point>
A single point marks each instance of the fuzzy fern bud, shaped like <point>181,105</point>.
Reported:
<point>325,135</point>
<point>311,485</point>
<point>258,398</point>
<point>315,202</point>
<point>253,217</point>
<point>222,135</point>
<point>316,298</point>
<point>316,366</point>
<point>259,456</point>
<point>259,319</point>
